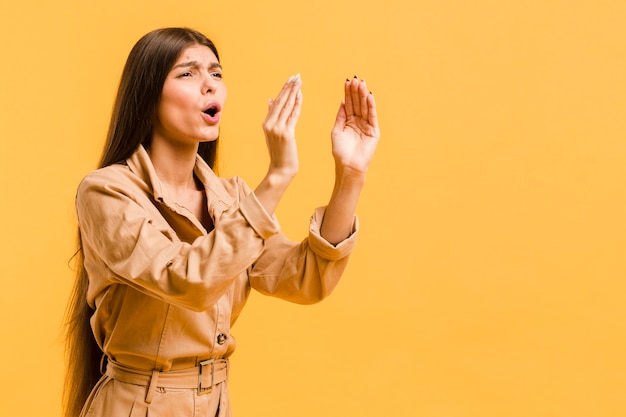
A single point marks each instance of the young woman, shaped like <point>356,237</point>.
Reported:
<point>169,251</point>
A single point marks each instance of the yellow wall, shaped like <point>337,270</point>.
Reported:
<point>489,276</point>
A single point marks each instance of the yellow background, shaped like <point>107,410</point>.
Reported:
<point>489,275</point>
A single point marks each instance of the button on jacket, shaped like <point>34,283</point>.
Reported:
<point>165,290</point>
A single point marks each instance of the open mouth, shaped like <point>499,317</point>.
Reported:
<point>211,111</point>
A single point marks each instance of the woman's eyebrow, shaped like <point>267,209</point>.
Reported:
<point>197,64</point>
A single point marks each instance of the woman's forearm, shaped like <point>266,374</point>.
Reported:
<point>271,189</point>
<point>339,216</point>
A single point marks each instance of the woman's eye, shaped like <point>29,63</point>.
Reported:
<point>185,74</point>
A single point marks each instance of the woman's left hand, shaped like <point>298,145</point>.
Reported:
<point>355,133</point>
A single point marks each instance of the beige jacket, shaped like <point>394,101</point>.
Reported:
<point>166,292</point>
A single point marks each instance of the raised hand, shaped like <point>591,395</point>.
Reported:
<point>355,133</point>
<point>354,137</point>
<point>279,127</point>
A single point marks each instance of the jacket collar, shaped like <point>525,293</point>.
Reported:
<point>141,165</point>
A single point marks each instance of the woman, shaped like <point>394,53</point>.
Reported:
<point>169,251</point>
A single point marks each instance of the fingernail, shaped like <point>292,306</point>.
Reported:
<point>290,79</point>
<point>356,76</point>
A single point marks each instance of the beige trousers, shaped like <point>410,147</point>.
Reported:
<point>121,393</point>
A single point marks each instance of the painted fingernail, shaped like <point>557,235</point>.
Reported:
<point>356,76</point>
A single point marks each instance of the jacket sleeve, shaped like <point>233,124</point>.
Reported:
<point>122,243</point>
<point>304,272</point>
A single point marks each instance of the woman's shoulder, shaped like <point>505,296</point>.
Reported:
<point>109,173</point>
<point>115,176</point>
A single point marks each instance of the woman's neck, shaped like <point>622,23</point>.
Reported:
<point>174,165</point>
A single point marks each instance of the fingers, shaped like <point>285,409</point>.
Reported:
<point>340,120</point>
<point>359,102</point>
<point>285,108</point>
<point>295,113</point>
<point>349,108</point>
<point>371,109</point>
<point>357,98</point>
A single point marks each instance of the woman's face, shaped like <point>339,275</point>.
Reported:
<point>192,99</point>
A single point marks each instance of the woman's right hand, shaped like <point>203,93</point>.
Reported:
<point>279,127</point>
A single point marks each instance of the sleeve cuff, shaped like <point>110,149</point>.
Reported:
<point>263,224</point>
<point>324,248</point>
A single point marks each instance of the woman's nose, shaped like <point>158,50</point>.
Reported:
<point>209,85</point>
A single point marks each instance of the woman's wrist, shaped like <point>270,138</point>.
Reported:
<point>348,177</point>
<point>279,177</point>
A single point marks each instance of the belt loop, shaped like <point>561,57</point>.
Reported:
<point>152,387</point>
<point>201,388</point>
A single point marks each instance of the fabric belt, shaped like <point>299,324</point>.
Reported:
<point>203,377</point>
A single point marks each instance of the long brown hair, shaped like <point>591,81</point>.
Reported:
<point>132,119</point>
